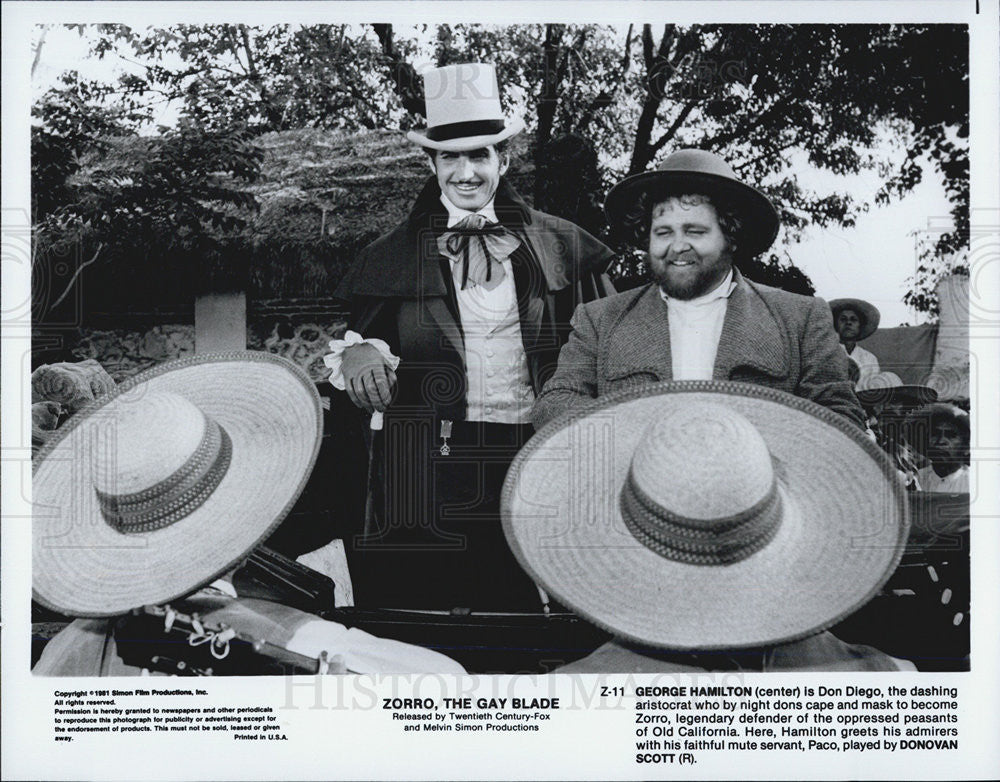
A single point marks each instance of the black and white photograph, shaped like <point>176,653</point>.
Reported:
<point>656,347</point>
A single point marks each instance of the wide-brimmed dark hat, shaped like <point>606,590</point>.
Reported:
<point>691,171</point>
<point>886,387</point>
<point>706,515</point>
<point>867,313</point>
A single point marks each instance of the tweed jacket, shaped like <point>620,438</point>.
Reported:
<point>769,337</point>
<point>401,290</point>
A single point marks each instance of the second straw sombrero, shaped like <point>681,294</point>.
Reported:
<point>888,387</point>
<point>867,312</point>
<point>706,515</point>
<point>167,483</point>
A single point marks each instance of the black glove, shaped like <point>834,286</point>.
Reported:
<point>368,380</point>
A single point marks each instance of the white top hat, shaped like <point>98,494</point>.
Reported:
<point>463,109</point>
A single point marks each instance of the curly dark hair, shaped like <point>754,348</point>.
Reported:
<point>637,220</point>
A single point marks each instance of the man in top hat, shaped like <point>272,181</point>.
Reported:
<point>472,292</point>
<point>700,319</point>
<point>855,320</point>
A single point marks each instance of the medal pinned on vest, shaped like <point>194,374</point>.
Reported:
<point>445,434</point>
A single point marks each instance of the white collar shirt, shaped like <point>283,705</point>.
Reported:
<point>456,214</point>
<point>498,381</point>
<point>695,330</point>
<point>867,363</point>
<point>956,482</point>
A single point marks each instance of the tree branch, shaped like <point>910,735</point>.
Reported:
<point>764,155</point>
<point>647,46</point>
<point>72,281</point>
<point>273,114</point>
<point>38,49</point>
<point>607,96</point>
<point>741,128</point>
<point>577,46</point>
<point>404,76</point>
<point>672,130</point>
<point>666,41</point>
<point>549,88</point>
<point>235,48</point>
<point>251,63</point>
<point>641,153</point>
<point>548,92</point>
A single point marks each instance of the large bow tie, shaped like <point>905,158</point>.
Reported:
<point>481,246</point>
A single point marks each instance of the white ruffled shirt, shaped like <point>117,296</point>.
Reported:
<point>365,653</point>
<point>695,330</point>
<point>499,385</point>
<point>498,381</point>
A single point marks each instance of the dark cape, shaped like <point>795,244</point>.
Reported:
<point>422,529</point>
<point>401,290</point>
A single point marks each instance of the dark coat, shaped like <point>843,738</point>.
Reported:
<point>769,337</point>
<point>401,290</point>
<point>432,536</point>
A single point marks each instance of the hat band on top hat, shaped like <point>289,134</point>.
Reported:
<point>693,541</point>
<point>178,495</point>
<point>453,130</point>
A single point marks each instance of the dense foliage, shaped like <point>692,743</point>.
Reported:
<point>601,102</point>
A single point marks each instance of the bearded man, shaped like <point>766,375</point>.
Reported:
<point>700,319</point>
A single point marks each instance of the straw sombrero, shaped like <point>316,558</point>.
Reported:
<point>165,484</point>
<point>688,171</point>
<point>463,109</point>
<point>867,313</point>
<point>706,515</point>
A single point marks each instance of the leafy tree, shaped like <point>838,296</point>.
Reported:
<point>176,200</point>
<point>933,264</point>
<point>603,102</point>
<point>68,123</point>
<point>266,78</point>
<point>733,90</point>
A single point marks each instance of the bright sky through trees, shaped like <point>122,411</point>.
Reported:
<point>872,260</point>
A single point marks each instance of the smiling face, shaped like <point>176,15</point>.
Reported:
<point>688,252</point>
<point>848,325</point>
<point>469,179</point>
